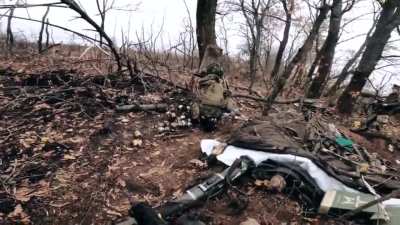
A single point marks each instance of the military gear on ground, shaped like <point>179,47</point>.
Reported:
<point>340,202</point>
<point>209,116</point>
<point>189,219</point>
<point>210,188</point>
<point>312,140</point>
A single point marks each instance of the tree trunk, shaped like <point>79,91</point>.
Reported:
<point>255,52</point>
<point>298,58</point>
<point>10,35</point>
<point>205,24</point>
<point>346,69</point>
<point>327,52</point>
<point>283,43</point>
<point>253,66</point>
<point>313,67</point>
<point>47,43</point>
<point>388,20</point>
<point>42,30</point>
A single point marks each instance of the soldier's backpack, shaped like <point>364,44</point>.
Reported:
<point>213,97</point>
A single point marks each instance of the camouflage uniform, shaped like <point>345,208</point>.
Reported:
<point>213,98</point>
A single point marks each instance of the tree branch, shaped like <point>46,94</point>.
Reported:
<point>54,25</point>
<point>54,4</point>
<point>74,6</point>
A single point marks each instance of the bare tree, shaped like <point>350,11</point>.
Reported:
<point>345,72</point>
<point>86,37</point>
<point>42,30</point>
<point>266,52</point>
<point>47,43</point>
<point>75,7</point>
<point>284,41</point>
<point>103,8</point>
<point>254,13</point>
<point>205,25</point>
<point>327,52</point>
<point>10,35</point>
<point>389,19</point>
<point>192,42</point>
<point>299,58</point>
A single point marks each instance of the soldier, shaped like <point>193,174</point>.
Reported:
<point>213,98</point>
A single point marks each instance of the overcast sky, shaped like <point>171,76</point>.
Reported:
<point>171,15</point>
<point>149,13</point>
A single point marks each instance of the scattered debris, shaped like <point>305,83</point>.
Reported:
<point>189,219</point>
<point>19,215</point>
<point>330,161</point>
<point>136,108</point>
<point>207,189</point>
<point>138,134</point>
<point>137,142</point>
<point>250,221</point>
<point>198,163</point>
<point>277,183</point>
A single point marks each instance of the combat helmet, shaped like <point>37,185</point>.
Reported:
<point>215,68</point>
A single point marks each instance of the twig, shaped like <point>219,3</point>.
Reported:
<point>137,107</point>
<point>53,25</point>
<point>264,100</point>
<point>54,4</point>
<point>74,6</point>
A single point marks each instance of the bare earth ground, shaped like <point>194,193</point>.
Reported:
<point>68,158</point>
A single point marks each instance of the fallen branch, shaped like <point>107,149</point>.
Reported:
<point>146,107</point>
<point>54,25</point>
<point>54,4</point>
<point>50,47</point>
<point>264,100</point>
<point>166,81</point>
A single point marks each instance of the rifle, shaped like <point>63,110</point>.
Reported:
<point>143,214</point>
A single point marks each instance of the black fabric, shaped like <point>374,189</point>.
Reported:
<point>145,215</point>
